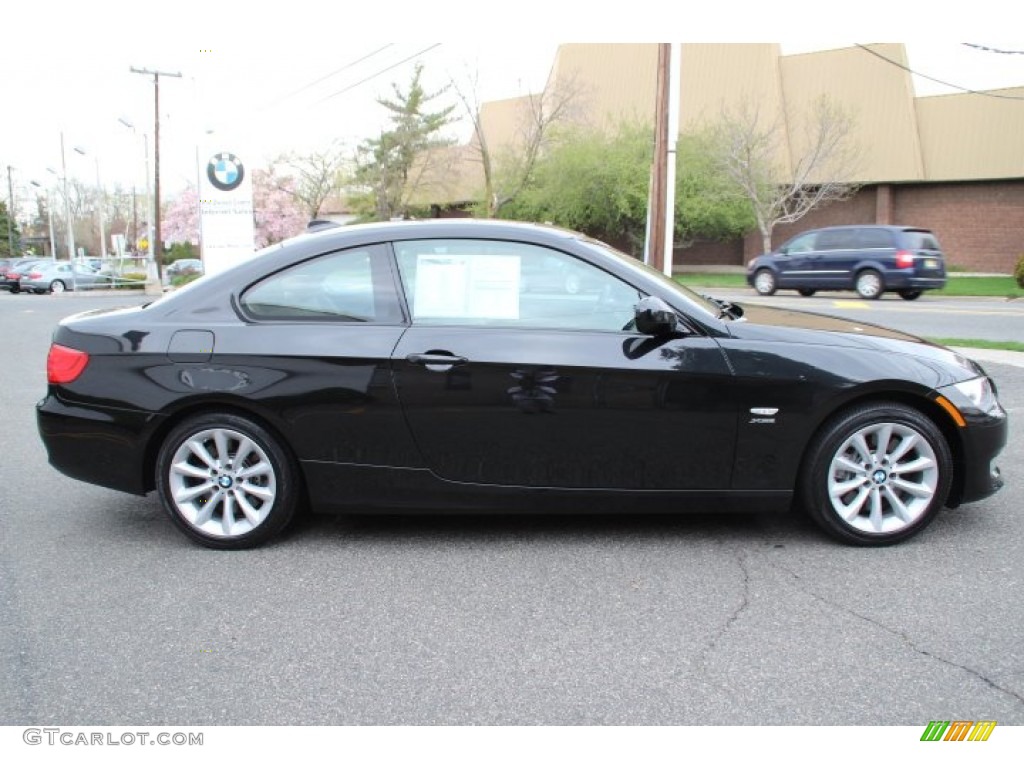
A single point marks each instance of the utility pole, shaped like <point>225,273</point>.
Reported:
<point>157,235</point>
<point>656,208</point>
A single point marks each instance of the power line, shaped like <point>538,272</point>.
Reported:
<point>378,74</point>
<point>990,50</point>
<point>332,74</point>
<point>936,80</point>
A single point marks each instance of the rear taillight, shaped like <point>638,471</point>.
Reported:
<point>34,275</point>
<point>904,259</point>
<point>64,365</point>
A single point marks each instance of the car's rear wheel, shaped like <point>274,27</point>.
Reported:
<point>909,295</point>
<point>876,474</point>
<point>869,284</point>
<point>57,287</point>
<point>15,289</point>
<point>806,291</point>
<point>765,283</point>
<point>226,481</point>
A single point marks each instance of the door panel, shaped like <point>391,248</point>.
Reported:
<point>567,409</point>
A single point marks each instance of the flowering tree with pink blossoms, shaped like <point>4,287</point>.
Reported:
<point>276,211</point>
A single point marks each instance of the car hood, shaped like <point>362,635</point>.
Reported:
<point>761,323</point>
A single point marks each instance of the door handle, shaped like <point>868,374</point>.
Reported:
<point>436,361</point>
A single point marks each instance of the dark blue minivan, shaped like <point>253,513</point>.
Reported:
<point>869,259</point>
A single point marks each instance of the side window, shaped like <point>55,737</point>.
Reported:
<point>802,244</point>
<point>836,240</point>
<point>511,285</point>
<point>874,238</point>
<point>348,286</point>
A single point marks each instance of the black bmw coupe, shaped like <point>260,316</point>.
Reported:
<point>409,365</point>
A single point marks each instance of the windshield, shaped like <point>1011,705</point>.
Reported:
<point>650,272</point>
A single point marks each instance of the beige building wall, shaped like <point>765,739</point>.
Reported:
<point>878,96</point>
<point>972,136</point>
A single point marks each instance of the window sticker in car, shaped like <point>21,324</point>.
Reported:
<point>467,286</point>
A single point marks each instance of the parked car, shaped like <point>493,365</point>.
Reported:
<point>185,267</point>
<point>402,365</point>
<point>867,259</point>
<point>10,278</point>
<point>57,277</point>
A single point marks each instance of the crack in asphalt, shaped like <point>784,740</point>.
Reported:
<point>709,647</point>
<point>898,633</point>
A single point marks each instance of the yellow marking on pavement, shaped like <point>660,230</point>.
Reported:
<point>850,304</point>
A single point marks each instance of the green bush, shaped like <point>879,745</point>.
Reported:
<point>136,280</point>
<point>179,280</point>
<point>179,251</point>
<point>1018,273</point>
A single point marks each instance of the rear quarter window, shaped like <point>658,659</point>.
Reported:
<point>916,240</point>
<point>874,238</point>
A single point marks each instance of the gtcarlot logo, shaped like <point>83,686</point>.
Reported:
<point>70,738</point>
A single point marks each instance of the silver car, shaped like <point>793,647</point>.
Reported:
<point>57,277</point>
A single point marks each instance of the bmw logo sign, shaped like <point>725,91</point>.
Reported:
<point>225,171</point>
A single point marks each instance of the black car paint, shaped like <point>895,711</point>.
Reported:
<point>532,418</point>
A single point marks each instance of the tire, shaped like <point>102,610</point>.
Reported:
<point>15,289</point>
<point>213,501</point>
<point>909,295</point>
<point>57,287</point>
<point>869,284</point>
<point>765,282</point>
<point>861,495</point>
<point>806,291</point>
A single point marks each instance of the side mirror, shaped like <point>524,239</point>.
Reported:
<point>654,317</point>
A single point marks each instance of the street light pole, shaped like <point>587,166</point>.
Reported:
<point>149,210</point>
<point>67,204</point>
<point>49,215</point>
<point>10,214</point>
<point>102,200</point>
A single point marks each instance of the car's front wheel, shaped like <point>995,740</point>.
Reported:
<point>869,284</point>
<point>876,474</point>
<point>765,283</point>
<point>226,481</point>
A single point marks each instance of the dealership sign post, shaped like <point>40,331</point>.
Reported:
<point>226,210</point>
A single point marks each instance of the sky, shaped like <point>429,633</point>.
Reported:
<point>301,74</point>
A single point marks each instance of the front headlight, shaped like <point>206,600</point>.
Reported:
<point>976,395</point>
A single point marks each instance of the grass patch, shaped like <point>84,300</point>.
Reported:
<point>981,286</point>
<point>711,279</point>
<point>1009,346</point>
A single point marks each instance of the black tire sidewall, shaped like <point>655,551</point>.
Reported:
<point>285,472</point>
<point>813,488</point>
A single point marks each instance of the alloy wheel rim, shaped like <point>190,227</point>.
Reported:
<point>222,483</point>
<point>883,478</point>
<point>869,285</point>
<point>764,282</point>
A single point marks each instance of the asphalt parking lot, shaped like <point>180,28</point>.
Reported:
<point>108,615</point>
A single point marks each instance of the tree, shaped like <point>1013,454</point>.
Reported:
<point>752,151</point>
<point>8,233</point>
<point>315,176</point>
<point>507,169</point>
<point>276,212</point>
<point>385,165</point>
<point>599,182</point>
